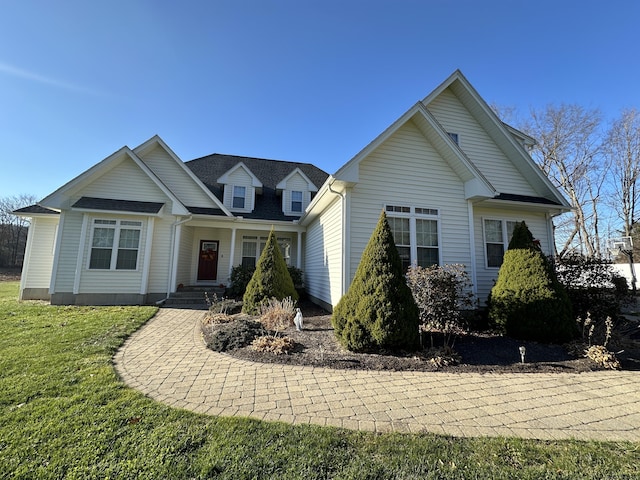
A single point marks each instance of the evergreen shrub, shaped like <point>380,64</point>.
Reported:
<point>378,311</point>
<point>527,301</point>
<point>270,280</point>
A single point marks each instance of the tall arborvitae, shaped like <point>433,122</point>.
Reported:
<point>378,310</point>
<point>528,301</point>
<point>270,280</point>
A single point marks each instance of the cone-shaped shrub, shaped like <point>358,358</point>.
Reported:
<point>270,280</point>
<point>378,311</point>
<point>527,301</point>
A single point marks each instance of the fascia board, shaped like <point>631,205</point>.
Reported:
<point>489,115</point>
<point>54,199</point>
<point>310,185</point>
<point>224,178</point>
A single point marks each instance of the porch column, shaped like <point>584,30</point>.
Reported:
<point>299,251</point>
<point>232,251</point>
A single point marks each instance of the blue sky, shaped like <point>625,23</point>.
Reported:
<point>309,81</point>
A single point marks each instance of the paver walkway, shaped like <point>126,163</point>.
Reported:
<point>167,360</point>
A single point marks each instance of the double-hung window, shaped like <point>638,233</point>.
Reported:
<point>415,233</point>
<point>497,234</point>
<point>239,195</point>
<point>296,201</point>
<point>115,244</point>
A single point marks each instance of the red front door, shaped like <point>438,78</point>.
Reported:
<point>208,260</point>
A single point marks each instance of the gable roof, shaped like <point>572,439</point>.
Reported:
<point>310,185</point>
<point>501,134</point>
<point>156,141</point>
<point>224,178</point>
<point>56,199</point>
<point>476,185</point>
<point>270,173</point>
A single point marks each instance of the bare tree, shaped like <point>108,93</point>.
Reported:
<point>623,151</point>
<point>13,229</point>
<point>569,151</point>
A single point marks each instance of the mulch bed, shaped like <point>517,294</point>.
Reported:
<point>480,352</point>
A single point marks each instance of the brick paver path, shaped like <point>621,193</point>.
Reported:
<point>167,360</point>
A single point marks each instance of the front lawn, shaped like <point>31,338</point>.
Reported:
<point>65,414</point>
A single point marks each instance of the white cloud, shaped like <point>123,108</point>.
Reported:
<point>45,80</point>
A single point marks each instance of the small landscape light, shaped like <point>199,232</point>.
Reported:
<point>523,350</point>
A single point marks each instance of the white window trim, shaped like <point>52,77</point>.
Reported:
<point>291,200</point>
<point>412,216</point>
<point>505,238</point>
<point>115,247</point>
<point>234,196</point>
<point>258,240</point>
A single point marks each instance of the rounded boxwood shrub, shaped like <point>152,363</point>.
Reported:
<point>527,301</point>
<point>270,280</point>
<point>378,310</point>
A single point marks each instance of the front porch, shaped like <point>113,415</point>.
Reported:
<point>205,252</point>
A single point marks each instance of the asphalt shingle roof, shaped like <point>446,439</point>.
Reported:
<point>118,205</point>
<point>270,172</point>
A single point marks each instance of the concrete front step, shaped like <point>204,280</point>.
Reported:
<point>194,295</point>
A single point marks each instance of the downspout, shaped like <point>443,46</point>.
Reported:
<point>472,249</point>
<point>173,256</point>
<point>343,287</point>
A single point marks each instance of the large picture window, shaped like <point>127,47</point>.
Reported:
<point>415,233</point>
<point>497,234</point>
<point>115,244</point>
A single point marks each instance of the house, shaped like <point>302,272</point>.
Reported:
<point>451,177</point>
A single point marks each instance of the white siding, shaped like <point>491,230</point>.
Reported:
<point>71,225</point>
<point>174,177</point>
<point>38,264</point>
<point>160,255</point>
<point>185,256</point>
<point>126,182</point>
<point>537,223</point>
<point>323,255</point>
<point>295,183</point>
<point>478,146</point>
<point>406,170</point>
<point>239,178</point>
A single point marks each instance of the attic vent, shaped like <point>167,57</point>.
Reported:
<point>453,136</point>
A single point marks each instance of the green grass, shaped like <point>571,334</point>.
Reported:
<point>65,414</point>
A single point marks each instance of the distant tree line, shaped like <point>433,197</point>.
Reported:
<point>595,164</point>
<point>13,230</point>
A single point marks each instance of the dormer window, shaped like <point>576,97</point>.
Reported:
<point>239,196</point>
<point>296,201</point>
<point>296,190</point>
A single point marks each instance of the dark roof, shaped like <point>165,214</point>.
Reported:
<point>118,205</point>
<point>270,172</point>
<point>206,211</point>
<point>36,209</point>
<point>512,197</point>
